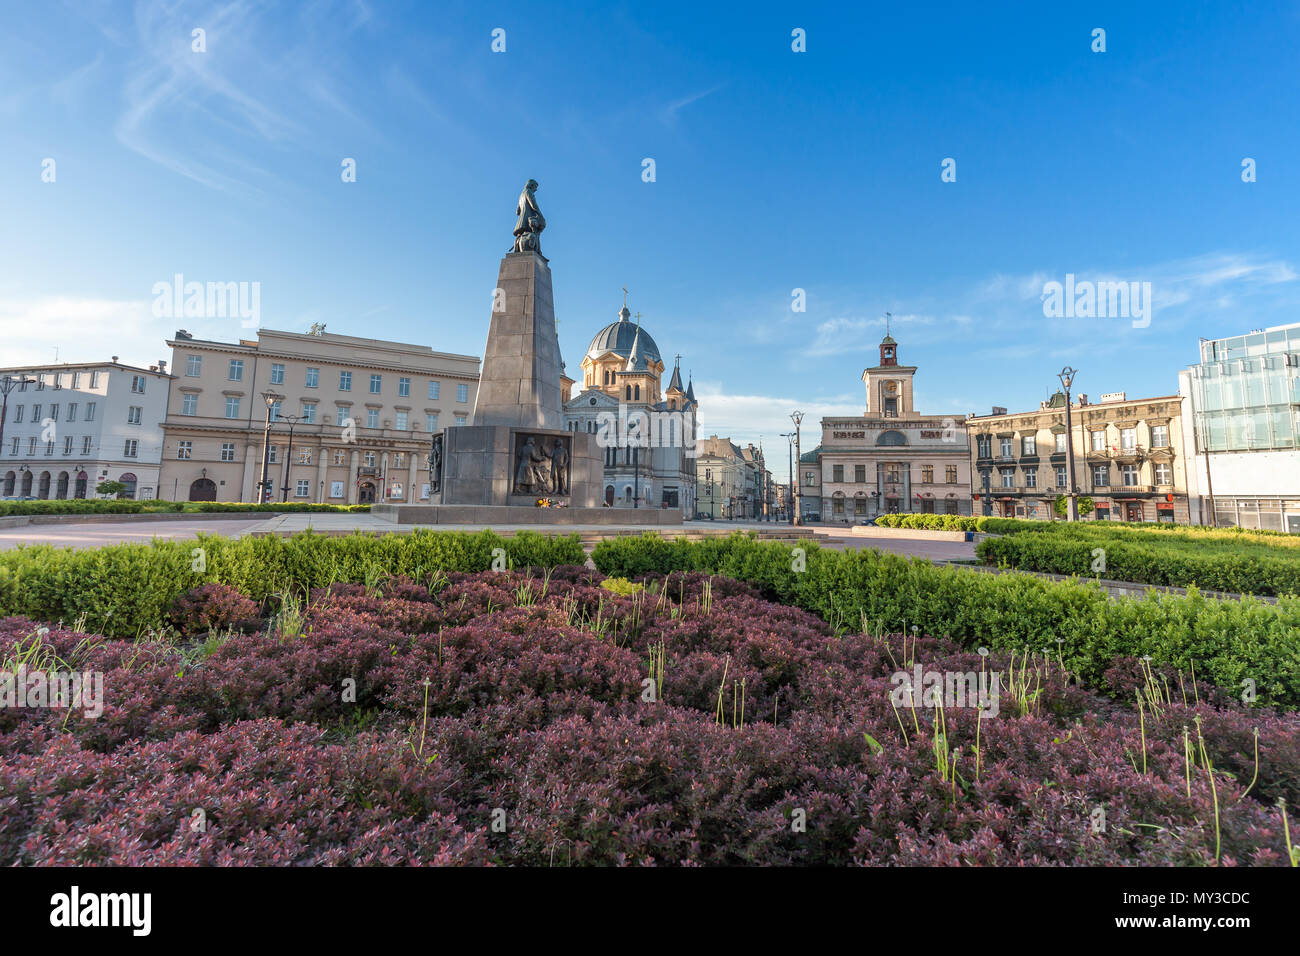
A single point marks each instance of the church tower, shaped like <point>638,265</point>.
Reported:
<point>889,385</point>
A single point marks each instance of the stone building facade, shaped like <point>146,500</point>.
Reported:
<point>1128,459</point>
<point>732,480</point>
<point>361,413</point>
<point>70,427</point>
<point>891,459</point>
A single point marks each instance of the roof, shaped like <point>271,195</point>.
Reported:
<point>810,457</point>
<point>618,337</point>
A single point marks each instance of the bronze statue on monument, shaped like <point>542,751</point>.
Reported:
<point>529,222</point>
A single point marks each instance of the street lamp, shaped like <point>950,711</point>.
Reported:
<point>1066,375</point>
<point>7,385</point>
<point>789,444</point>
<point>264,486</point>
<point>288,458</point>
<point>797,418</point>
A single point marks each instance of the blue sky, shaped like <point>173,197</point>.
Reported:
<point>775,170</point>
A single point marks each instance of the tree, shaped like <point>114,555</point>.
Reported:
<point>1062,506</point>
<point>113,488</point>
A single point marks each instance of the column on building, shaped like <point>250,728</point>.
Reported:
<point>354,460</point>
<point>322,463</point>
<point>252,475</point>
<point>411,496</point>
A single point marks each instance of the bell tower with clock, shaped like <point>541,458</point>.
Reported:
<point>889,385</point>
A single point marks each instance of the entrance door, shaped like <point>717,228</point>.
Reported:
<point>1132,511</point>
<point>366,494</point>
<point>203,489</point>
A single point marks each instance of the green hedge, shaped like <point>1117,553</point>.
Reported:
<point>75,506</point>
<point>1228,641</point>
<point>931,522</point>
<point>124,590</point>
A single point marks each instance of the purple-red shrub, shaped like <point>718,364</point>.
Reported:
<point>213,607</point>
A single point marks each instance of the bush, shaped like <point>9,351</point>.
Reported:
<point>126,590</point>
<point>1226,641</point>
<point>499,690</point>
<point>213,607</point>
<point>931,522</point>
<point>77,506</point>
<point>1204,559</point>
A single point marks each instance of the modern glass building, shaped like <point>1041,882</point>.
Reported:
<point>1242,410</point>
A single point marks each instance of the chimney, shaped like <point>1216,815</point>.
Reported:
<point>114,359</point>
<point>162,366</point>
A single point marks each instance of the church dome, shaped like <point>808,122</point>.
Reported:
<point>618,337</point>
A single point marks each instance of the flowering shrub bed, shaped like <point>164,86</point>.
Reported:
<point>1227,641</point>
<point>503,718</point>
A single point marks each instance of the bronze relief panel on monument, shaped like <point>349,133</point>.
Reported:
<point>540,465</point>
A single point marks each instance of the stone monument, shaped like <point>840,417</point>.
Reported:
<point>516,451</point>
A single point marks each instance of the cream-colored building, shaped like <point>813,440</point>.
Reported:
<point>1129,459</point>
<point>732,481</point>
<point>892,459</point>
<point>359,413</point>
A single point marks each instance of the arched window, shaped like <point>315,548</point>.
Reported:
<point>891,438</point>
<point>638,393</point>
<point>629,391</point>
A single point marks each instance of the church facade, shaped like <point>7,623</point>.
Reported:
<point>647,431</point>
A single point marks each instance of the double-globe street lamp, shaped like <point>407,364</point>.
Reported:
<point>265,487</point>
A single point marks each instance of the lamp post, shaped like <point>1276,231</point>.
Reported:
<point>1066,375</point>
<point>789,444</point>
<point>7,385</point>
<point>797,418</point>
<point>288,458</point>
<point>264,486</point>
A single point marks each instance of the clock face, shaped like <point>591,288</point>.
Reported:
<point>891,386</point>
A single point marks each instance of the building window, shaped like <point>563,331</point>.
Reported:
<point>36,412</point>
<point>309,413</point>
<point>277,373</point>
<point>1159,436</point>
<point>345,381</point>
<point>273,454</point>
<point>460,419</point>
<point>837,506</point>
<point>85,444</point>
<point>399,460</point>
<point>336,489</point>
<point>401,421</point>
<point>303,488</point>
<point>1164,474</point>
<point>184,450</point>
<point>927,474</point>
<point>304,456</point>
<point>404,387</point>
<point>985,445</point>
<point>1008,477</point>
<point>236,373</point>
<point>90,411</point>
<point>18,414</point>
<point>1128,438</point>
<point>31,445</point>
<point>40,381</point>
<point>341,417</point>
<point>434,388</point>
<point>376,384</point>
<point>340,457</point>
<point>1130,473</point>
<point>430,422</point>
<point>94,379</point>
<point>1098,441</point>
<point>860,474</point>
<point>837,472</point>
<point>275,410</point>
<point>1031,477</point>
<point>193,366</point>
<point>128,450</point>
<point>1062,476</point>
<point>227,451</point>
<point>232,406</point>
<point>810,477</point>
<point>1028,445</point>
<point>134,413</point>
<point>950,474</point>
<point>313,378</point>
<point>76,380</point>
<point>137,384</point>
<point>67,444</point>
<point>1060,444</point>
<point>462,393</point>
<point>1005,445</point>
<point>372,418</point>
<point>189,404</point>
<point>13,447</point>
<point>1101,475</point>
<point>72,411</point>
<point>369,459</point>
